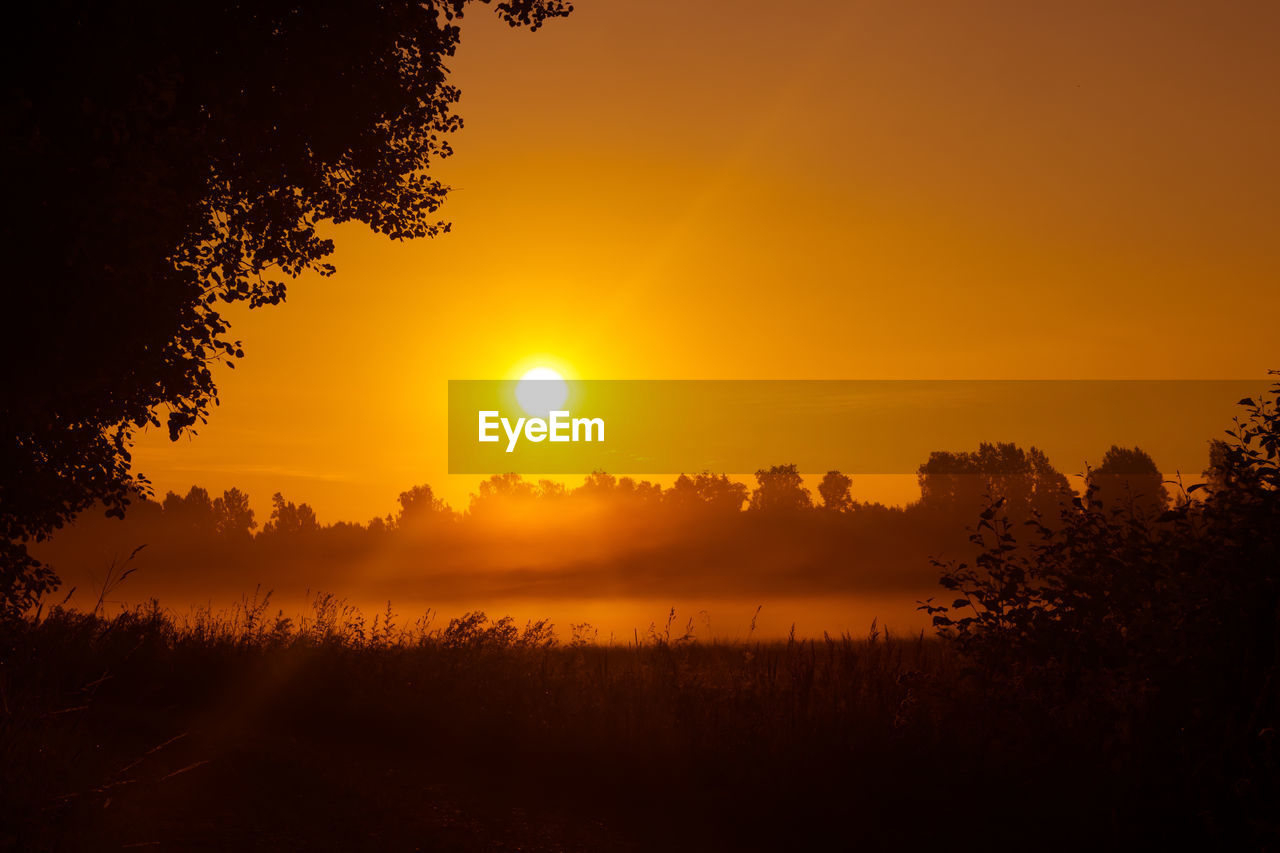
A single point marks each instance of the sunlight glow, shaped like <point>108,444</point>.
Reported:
<point>541,390</point>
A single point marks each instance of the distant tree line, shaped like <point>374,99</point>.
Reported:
<point>952,482</point>
<point>700,528</point>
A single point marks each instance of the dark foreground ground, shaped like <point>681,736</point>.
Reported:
<point>135,733</point>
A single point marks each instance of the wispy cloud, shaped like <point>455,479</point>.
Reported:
<point>272,470</point>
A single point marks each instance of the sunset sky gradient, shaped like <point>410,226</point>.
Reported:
<point>832,190</point>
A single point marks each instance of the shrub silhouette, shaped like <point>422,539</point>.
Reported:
<point>1157,630</point>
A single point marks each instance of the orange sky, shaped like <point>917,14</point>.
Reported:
<point>852,190</point>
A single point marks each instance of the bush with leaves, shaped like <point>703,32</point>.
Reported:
<point>1159,633</point>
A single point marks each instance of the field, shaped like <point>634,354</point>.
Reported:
<point>247,732</point>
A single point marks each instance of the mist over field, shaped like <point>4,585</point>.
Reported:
<point>616,553</point>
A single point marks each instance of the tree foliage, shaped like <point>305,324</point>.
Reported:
<point>1129,479</point>
<point>290,519</point>
<point>1162,630</point>
<point>780,489</point>
<point>168,160</point>
<point>1024,479</point>
<point>715,492</point>
<point>834,490</point>
<point>420,505</point>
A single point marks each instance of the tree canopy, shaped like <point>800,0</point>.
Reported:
<point>167,160</point>
<point>834,490</point>
<point>1128,479</point>
<point>962,481</point>
<point>780,489</point>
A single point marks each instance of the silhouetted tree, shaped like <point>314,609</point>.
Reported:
<point>683,495</point>
<point>834,490</point>
<point>780,488</point>
<point>232,515</point>
<point>419,505</point>
<point>706,491</point>
<point>1128,480</point>
<point>379,525</point>
<point>167,159</point>
<point>1025,480</point>
<point>950,479</point>
<point>1151,628</point>
<point>502,488</point>
<point>1218,473</point>
<point>597,483</point>
<point>641,491</point>
<point>1050,489</point>
<point>720,493</point>
<point>288,518</point>
<point>193,513</point>
<point>1225,470</point>
<point>549,490</point>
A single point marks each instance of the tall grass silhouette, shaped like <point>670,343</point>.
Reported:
<point>129,709</point>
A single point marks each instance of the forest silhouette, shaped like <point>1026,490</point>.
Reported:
<point>705,535</point>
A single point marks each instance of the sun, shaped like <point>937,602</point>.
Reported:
<point>541,391</point>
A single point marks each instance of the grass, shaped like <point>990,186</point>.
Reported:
<point>248,731</point>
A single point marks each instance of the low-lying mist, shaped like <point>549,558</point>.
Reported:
<point>616,553</point>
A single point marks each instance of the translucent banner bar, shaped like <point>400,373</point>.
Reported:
<point>657,427</point>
